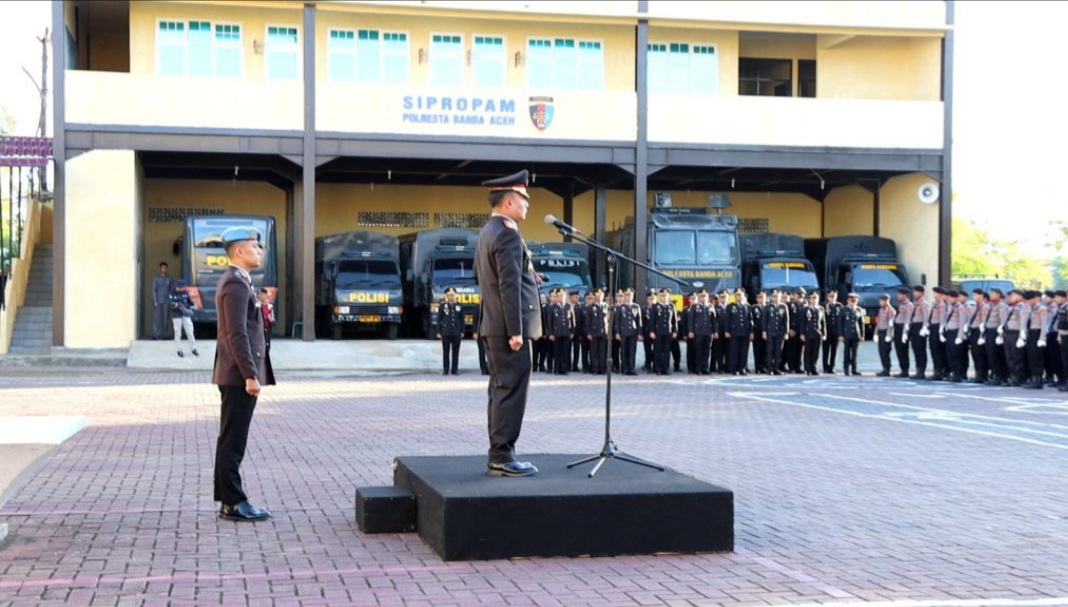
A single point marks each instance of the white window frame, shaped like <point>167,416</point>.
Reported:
<point>433,57</point>
<point>386,53</point>
<point>185,44</point>
<point>576,67</point>
<point>299,72</point>
<point>526,66</point>
<point>330,52</point>
<point>691,78</point>
<point>504,60</point>
<point>578,64</point>
<point>214,45</point>
<point>238,45</point>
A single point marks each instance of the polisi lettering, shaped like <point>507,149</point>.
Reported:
<point>468,298</point>
<point>368,297</point>
<point>216,260</point>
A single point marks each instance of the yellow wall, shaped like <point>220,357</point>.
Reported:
<point>912,224</point>
<point>725,41</point>
<point>46,223</point>
<point>847,211</point>
<point>868,67</point>
<point>18,279</point>
<point>240,198</point>
<point>101,250</point>
<point>784,15</point>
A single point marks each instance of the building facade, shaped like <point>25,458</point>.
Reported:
<point>818,118</point>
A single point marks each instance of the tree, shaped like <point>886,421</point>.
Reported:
<point>974,254</point>
<point>7,121</point>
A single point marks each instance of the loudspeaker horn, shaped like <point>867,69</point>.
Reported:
<point>928,193</point>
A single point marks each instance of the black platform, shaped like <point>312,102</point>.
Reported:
<point>463,514</point>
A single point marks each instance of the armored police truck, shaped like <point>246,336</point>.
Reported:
<point>432,261</point>
<point>687,243</point>
<point>865,265</point>
<point>358,283</point>
<point>775,261</point>
<point>204,260</point>
<point>563,265</point>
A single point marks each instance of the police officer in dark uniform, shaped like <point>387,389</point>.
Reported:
<point>665,329</point>
<point>813,330</point>
<point>831,309</point>
<point>450,332</point>
<point>775,327</point>
<point>627,328</point>
<point>685,335</point>
<point>511,318</point>
<point>760,343</point>
<point>595,322</point>
<point>648,327</point>
<point>720,344</point>
<point>561,327</point>
<point>581,335</point>
<point>676,348</point>
<point>702,326</point>
<point>850,332</point>
<point>794,347</point>
<point>477,318</point>
<point>577,308</point>
<point>740,333</point>
<point>242,366</point>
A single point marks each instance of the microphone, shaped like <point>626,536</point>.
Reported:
<point>549,219</point>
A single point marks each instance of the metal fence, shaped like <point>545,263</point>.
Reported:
<point>24,166</point>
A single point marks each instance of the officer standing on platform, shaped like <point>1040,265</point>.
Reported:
<point>739,334</point>
<point>920,330</point>
<point>627,329</point>
<point>902,326</point>
<point>242,367</point>
<point>884,333</point>
<point>850,332</point>
<point>774,331</point>
<point>813,331</point>
<point>450,332</point>
<point>830,346</point>
<point>995,352</point>
<point>665,328</point>
<point>511,319</point>
<point>760,343</point>
<point>596,326</point>
<point>702,326</point>
<point>977,336</point>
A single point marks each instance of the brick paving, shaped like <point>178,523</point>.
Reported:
<point>959,499</point>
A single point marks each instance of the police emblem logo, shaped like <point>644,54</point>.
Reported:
<point>541,112</point>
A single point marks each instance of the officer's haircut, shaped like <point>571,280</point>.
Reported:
<point>998,291</point>
<point>1060,293</point>
<point>903,290</point>
<point>919,289</point>
<point>163,264</point>
<point>978,291</point>
<point>498,196</point>
<point>884,297</point>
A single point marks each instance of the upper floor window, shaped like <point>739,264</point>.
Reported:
<point>446,60</point>
<point>370,56</point>
<point>488,61</point>
<point>197,48</point>
<point>282,50</point>
<point>765,77</point>
<point>806,77</point>
<point>565,63</point>
<point>678,67</point>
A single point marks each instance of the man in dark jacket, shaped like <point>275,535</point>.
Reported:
<point>511,318</point>
<point>450,332</point>
<point>242,366</point>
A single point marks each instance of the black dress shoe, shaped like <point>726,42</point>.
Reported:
<point>883,374</point>
<point>444,372</point>
<point>243,512</point>
<point>455,372</point>
<point>902,375</point>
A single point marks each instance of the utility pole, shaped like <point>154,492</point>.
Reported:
<point>42,90</point>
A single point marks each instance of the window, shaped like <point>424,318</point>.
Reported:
<point>565,63</point>
<point>196,48</point>
<point>367,56</point>
<point>446,60</point>
<point>765,77</point>
<point>341,55</point>
<point>488,62</point>
<point>678,67</point>
<point>806,78</point>
<point>395,58</point>
<point>704,70</point>
<point>281,51</point>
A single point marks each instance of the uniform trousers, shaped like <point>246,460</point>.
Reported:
<point>812,352</point>
<point>739,355</point>
<point>830,352</point>
<point>450,353</point>
<point>482,363</point>
<point>901,331</point>
<point>884,349</point>
<point>587,364</point>
<point>1064,359</point>
<point>1053,358</point>
<point>760,353</point>
<point>676,352</point>
<point>718,345</point>
<point>702,352</point>
<point>628,350</point>
<point>774,356</point>
<point>979,358</point>
<point>795,350</point>
<point>940,364</point>
<point>662,354</point>
<point>599,354</point>
<point>996,358</point>
<point>954,355</point>
<point>691,356</point>
<point>919,348</point>
<point>647,346</point>
<point>234,420</point>
<point>507,395</point>
<point>1016,357</point>
<point>849,360</point>
<point>562,355</point>
<point>1036,356</point>
<point>576,352</point>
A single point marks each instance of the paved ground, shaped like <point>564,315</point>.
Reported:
<point>848,490</point>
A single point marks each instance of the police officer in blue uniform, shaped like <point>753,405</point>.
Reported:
<point>813,330</point>
<point>739,333</point>
<point>850,331</point>
<point>595,323</point>
<point>450,332</point>
<point>775,328</point>
<point>627,329</point>
<point>665,328</point>
<point>702,326</point>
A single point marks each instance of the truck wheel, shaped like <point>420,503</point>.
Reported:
<point>335,330</point>
<point>391,331</point>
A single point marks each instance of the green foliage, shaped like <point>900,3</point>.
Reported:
<point>976,253</point>
<point>7,121</point>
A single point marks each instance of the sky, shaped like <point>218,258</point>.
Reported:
<point>1008,121</point>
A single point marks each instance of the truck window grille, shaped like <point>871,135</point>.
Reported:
<point>750,225</point>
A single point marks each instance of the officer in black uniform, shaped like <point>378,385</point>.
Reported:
<point>702,326</point>
<point>627,328</point>
<point>450,332</point>
<point>775,327</point>
<point>794,348</point>
<point>740,333</point>
<point>561,327</point>
<point>813,330</point>
<point>477,318</point>
<point>581,335</point>
<point>760,343</point>
<point>595,323</point>
<point>685,335</point>
<point>542,346</point>
<point>665,329</point>
<point>511,318</point>
<point>577,308</point>
<point>831,309</point>
<point>648,327</point>
<point>850,332</point>
<point>720,344</point>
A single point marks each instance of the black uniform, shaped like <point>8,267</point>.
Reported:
<point>451,329</point>
<point>814,328</point>
<point>851,331</point>
<point>627,326</point>
<point>684,335</point>
<point>776,323</point>
<point>579,347</point>
<point>760,345</point>
<point>665,327</point>
<point>561,327</point>
<point>482,364</point>
<point>1062,328</point>
<point>740,327</point>
<point>543,348</point>
<point>830,346</point>
<point>702,323</point>
<point>647,331</point>
<point>595,322</point>
<point>794,348</point>
<point>510,307</point>
<point>720,347</point>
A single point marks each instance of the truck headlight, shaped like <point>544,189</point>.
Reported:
<point>343,310</point>
<point>394,310</point>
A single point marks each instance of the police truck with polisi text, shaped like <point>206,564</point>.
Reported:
<point>358,283</point>
<point>431,262</point>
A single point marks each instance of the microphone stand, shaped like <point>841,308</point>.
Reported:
<point>609,450</point>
